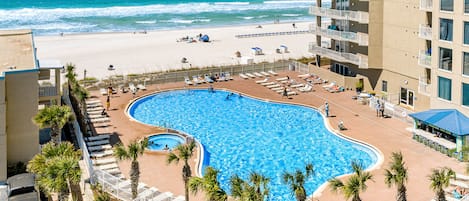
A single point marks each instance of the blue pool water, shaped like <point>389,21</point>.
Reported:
<point>242,134</point>
<point>158,142</point>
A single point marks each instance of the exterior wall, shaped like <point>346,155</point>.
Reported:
<point>456,75</point>
<point>3,137</point>
<point>22,106</point>
<point>375,34</point>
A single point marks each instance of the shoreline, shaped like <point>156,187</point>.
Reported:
<point>159,50</point>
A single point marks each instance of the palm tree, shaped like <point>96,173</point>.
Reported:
<point>397,175</point>
<point>297,181</point>
<point>183,152</point>
<point>354,185</point>
<point>56,168</point>
<point>440,179</point>
<point>54,117</point>
<point>132,152</point>
<point>253,190</point>
<point>209,184</point>
<point>70,74</point>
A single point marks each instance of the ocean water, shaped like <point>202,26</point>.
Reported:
<point>47,17</point>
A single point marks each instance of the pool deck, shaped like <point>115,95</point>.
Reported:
<point>386,134</point>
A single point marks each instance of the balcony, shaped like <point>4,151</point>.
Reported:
<point>47,91</point>
<point>425,59</point>
<point>359,38</point>
<point>358,59</point>
<point>358,16</point>
<point>424,87</point>
<point>426,5</point>
<point>425,32</point>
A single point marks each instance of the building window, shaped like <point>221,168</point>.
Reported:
<point>446,5</point>
<point>466,32</point>
<point>465,63</point>
<point>384,86</point>
<point>466,6</point>
<point>465,94</point>
<point>446,29</point>
<point>446,59</point>
<point>444,88</point>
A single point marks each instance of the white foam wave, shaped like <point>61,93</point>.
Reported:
<point>288,2</point>
<point>262,16</point>
<point>247,18</point>
<point>184,21</point>
<point>291,15</point>
<point>231,3</point>
<point>146,22</point>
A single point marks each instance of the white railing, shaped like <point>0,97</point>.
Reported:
<point>391,109</point>
<point>425,59</point>
<point>111,184</point>
<point>424,87</point>
<point>359,16</point>
<point>358,59</point>
<point>425,32</point>
<point>360,38</point>
<point>47,91</point>
<point>426,5</point>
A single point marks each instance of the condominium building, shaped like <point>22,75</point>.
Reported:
<point>26,84</point>
<point>388,46</point>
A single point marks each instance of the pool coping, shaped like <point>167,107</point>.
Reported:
<point>329,127</point>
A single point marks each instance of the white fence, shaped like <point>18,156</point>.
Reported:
<point>391,109</point>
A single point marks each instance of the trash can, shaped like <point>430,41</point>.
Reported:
<point>291,67</point>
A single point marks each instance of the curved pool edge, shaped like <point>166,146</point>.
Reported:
<point>379,155</point>
<point>162,133</point>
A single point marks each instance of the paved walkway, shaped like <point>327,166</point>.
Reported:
<point>388,135</point>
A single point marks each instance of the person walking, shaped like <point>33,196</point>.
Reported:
<point>108,102</point>
<point>326,109</point>
<point>377,107</point>
<point>285,92</point>
<point>381,109</point>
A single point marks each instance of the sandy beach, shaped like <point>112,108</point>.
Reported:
<point>159,50</point>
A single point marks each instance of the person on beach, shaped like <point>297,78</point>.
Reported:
<point>294,25</point>
<point>326,109</point>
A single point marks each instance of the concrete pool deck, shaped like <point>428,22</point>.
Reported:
<point>386,134</point>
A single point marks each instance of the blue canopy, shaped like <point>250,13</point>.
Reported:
<point>448,119</point>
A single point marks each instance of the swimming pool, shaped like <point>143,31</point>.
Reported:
<point>242,134</point>
<point>160,141</point>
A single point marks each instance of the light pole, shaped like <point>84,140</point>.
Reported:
<point>84,78</point>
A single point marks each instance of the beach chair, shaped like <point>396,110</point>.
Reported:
<point>304,76</point>
<point>97,137</point>
<point>196,80</point>
<point>132,87</point>
<point>103,91</point>
<point>163,196</point>
<point>116,172</point>
<point>277,88</point>
<point>265,73</point>
<point>94,109</point>
<point>187,81</point>
<point>208,79</point>
<point>258,74</point>
<point>291,93</point>
<point>179,198</point>
<point>96,143</point>
<point>107,166</point>
<point>99,147</point>
<point>267,83</point>
<point>262,81</point>
<point>273,73</point>
<point>104,161</point>
<point>241,75</point>
<point>330,85</point>
<point>282,79</point>
<point>306,88</point>
<point>250,75</point>
<point>99,154</point>
<point>297,85</point>
<point>228,76</point>
<point>141,87</point>
<point>148,194</point>
<point>92,102</point>
<point>100,120</point>
<point>272,86</point>
<point>96,116</point>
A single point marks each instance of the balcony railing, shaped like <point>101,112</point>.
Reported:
<point>424,87</point>
<point>360,38</point>
<point>426,5</point>
<point>425,32</point>
<point>47,91</point>
<point>358,59</point>
<point>359,16</point>
<point>425,59</point>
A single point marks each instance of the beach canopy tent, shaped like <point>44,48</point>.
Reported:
<point>450,120</point>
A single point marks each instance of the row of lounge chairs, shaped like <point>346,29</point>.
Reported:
<point>94,111</point>
<point>278,85</point>
<point>207,79</point>
<point>257,74</point>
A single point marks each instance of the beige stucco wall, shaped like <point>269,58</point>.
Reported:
<point>3,137</point>
<point>22,103</point>
<point>456,76</point>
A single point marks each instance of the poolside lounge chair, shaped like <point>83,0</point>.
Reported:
<point>277,88</point>
<point>267,83</point>
<point>327,86</point>
<point>297,85</point>
<point>99,154</point>
<point>141,87</point>
<point>304,76</point>
<point>462,177</point>
<point>262,81</point>
<point>100,120</point>
<point>196,80</point>
<point>97,137</point>
<point>132,87</point>
<point>208,79</point>
<point>179,198</point>
<point>291,93</point>
<point>250,75</point>
<point>96,116</point>
<point>96,143</point>
<point>282,79</point>
<point>228,76</point>
<point>104,161</point>
<point>88,106</point>
<point>273,73</point>
<point>99,147</point>
<point>93,109</point>
<point>92,102</point>
<point>107,166</point>
<point>265,73</point>
<point>258,74</point>
<point>115,171</point>
<point>241,75</point>
<point>103,91</point>
<point>163,196</point>
<point>306,88</point>
<point>187,81</point>
<point>272,86</point>
<point>94,112</point>
<point>148,194</point>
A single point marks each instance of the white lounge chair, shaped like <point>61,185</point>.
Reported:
<point>132,87</point>
<point>250,75</point>
<point>99,147</point>
<point>96,116</point>
<point>282,79</point>
<point>148,194</point>
<point>265,73</point>
<point>141,87</point>
<point>277,88</point>
<point>304,76</point>
<point>100,120</point>
<point>327,86</point>
<point>208,79</point>
<point>262,81</point>
<point>241,75</point>
<point>104,161</point>
<point>196,80</point>
<point>107,166</point>
<point>297,85</point>
<point>96,143</point>
<point>179,198</point>
<point>291,93</point>
<point>93,109</point>
<point>103,91</point>
<point>306,88</point>
<point>98,137</point>
<point>272,86</point>
<point>258,74</point>
<point>273,73</point>
<point>462,177</point>
<point>187,80</point>
<point>91,102</point>
<point>267,83</point>
<point>228,76</point>
<point>163,196</point>
<point>94,112</point>
<point>100,154</point>
<point>115,171</point>
<point>94,105</point>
